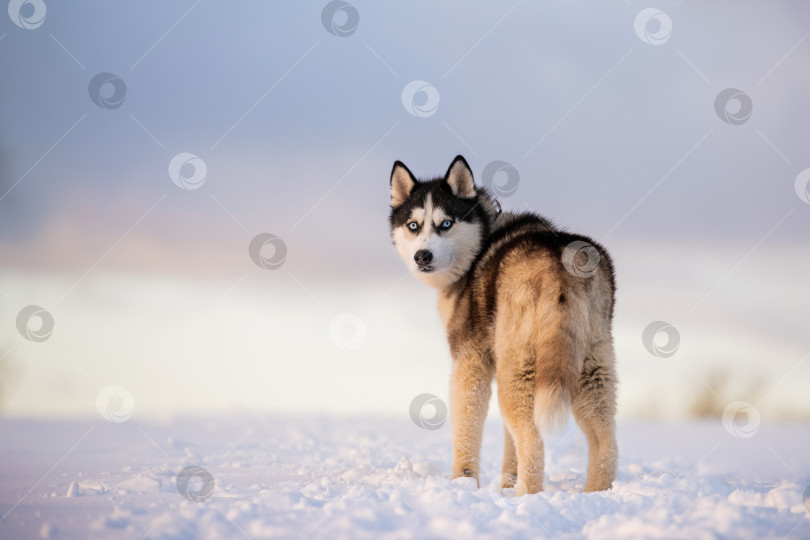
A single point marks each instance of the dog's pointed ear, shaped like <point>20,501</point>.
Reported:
<point>402,183</point>
<point>460,179</point>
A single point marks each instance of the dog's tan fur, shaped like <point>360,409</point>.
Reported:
<point>518,316</point>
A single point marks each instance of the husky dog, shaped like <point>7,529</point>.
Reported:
<point>524,303</point>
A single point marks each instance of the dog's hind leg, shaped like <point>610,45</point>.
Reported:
<point>594,409</point>
<point>516,398</point>
<point>510,463</point>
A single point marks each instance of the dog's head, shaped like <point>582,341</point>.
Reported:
<point>439,226</point>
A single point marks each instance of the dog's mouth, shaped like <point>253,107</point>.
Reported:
<point>431,266</point>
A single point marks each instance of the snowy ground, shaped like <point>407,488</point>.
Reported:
<point>376,478</point>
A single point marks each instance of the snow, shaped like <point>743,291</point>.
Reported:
<point>387,478</point>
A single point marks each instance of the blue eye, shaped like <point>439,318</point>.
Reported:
<point>413,225</point>
<point>446,224</point>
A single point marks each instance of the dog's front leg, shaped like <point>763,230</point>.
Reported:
<point>470,390</point>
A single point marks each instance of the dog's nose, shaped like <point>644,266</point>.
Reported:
<point>423,257</point>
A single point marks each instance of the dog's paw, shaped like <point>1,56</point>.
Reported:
<point>466,472</point>
<point>508,480</point>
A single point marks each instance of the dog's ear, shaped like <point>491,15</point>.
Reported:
<point>460,179</point>
<point>402,183</point>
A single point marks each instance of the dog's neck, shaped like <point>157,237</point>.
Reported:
<point>497,221</point>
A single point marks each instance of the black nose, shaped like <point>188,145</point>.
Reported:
<point>423,257</point>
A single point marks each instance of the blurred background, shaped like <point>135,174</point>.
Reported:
<point>194,195</point>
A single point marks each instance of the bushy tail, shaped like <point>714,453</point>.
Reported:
<point>560,356</point>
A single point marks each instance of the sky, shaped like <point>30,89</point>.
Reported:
<point>615,117</point>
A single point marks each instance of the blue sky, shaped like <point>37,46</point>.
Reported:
<point>505,84</point>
